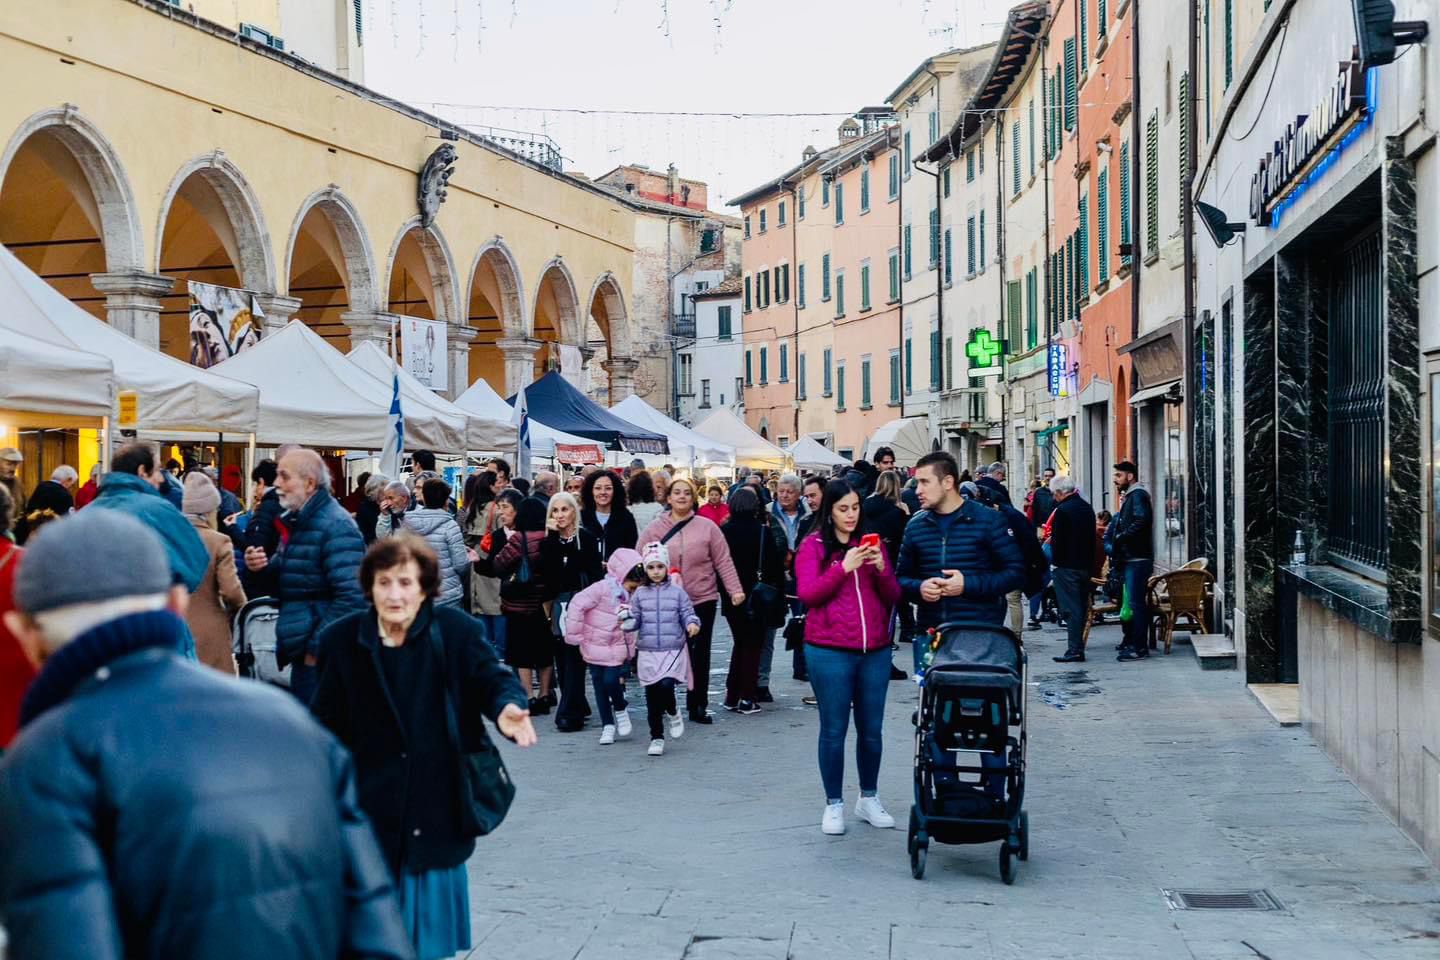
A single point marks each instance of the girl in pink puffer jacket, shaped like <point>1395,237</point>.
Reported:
<point>599,621</point>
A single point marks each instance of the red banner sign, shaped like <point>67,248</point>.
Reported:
<point>578,453</point>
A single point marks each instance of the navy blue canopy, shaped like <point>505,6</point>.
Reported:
<point>554,401</point>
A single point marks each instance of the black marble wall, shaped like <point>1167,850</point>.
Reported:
<point>1229,332</point>
<point>1262,481</point>
<point>1202,472</point>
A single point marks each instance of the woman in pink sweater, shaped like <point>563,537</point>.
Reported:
<point>849,591</point>
<point>699,552</point>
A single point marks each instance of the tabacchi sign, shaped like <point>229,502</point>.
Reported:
<point>1306,141</point>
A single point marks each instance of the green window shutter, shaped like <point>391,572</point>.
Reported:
<point>764,365</point>
<point>934,236</point>
<point>934,359</point>
<point>1183,164</point>
<point>949,256</point>
<point>894,176</point>
<point>909,365</point>
<point>946,181</point>
<point>1015,303</point>
<point>839,294</point>
<point>1100,18</point>
<point>864,190</point>
<point>800,286</point>
<point>907,153</point>
<point>1125,197</point>
<point>747,294</point>
<point>824,192</point>
<point>1032,138</point>
<point>864,288</point>
<point>840,387</point>
<point>749,371</point>
<point>839,203</point>
<point>970,247</point>
<point>784,362</point>
<point>1031,316</point>
<point>1084,35</point>
<point>969,166</point>
<point>825,277</point>
<point>780,216</point>
<point>1229,42</point>
<point>981,245</point>
<point>1083,254</point>
<point>1207,69</point>
<point>865,383</point>
<point>1152,184</point>
<point>895,276</point>
<point>1015,155</point>
<point>800,204</point>
<point>1102,225</point>
<point>800,376</point>
<point>908,260</point>
<point>949,363</point>
<point>1071,95</point>
<point>895,376</point>
<point>1069,278</point>
<point>722,316</point>
<point>827,372</point>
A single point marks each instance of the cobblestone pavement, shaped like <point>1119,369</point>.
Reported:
<point>1141,777</point>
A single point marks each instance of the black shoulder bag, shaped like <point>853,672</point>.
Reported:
<point>486,790</point>
<point>766,603</point>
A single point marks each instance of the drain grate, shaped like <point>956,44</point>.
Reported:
<point>1222,900</point>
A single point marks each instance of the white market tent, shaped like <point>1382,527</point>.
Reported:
<point>686,446</point>
<point>41,378</point>
<point>171,394</point>
<point>909,437</point>
<point>313,396</point>
<point>481,400</point>
<point>475,431</point>
<point>751,449</point>
<point>810,454</point>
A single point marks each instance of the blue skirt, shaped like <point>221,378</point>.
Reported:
<point>435,907</point>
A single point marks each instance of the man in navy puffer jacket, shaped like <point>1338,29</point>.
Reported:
<point>958,558</point>
<point>317,568</point>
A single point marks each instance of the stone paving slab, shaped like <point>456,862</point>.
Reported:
<point>1141,777</point>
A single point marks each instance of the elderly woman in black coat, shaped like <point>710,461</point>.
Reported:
<point>403,685</point>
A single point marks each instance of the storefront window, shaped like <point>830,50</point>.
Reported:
<point>1173,544</point>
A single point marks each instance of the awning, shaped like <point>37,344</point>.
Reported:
<point>686,445</point>
<point>808,453</point>
<point>991,442</point>
<point>1158,356</point>
<point>909,437</point>
<point>554,401</point>
<point>1161,392</point>
<point>1053,428</point>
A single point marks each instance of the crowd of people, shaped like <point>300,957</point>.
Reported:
<point>407,616</point>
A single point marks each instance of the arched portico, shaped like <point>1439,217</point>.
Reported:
<point>329,268</point>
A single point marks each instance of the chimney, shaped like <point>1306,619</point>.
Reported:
<point>849,130</point>
<point>672,177</point>
<point>808,155</point>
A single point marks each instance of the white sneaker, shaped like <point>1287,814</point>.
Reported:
<point>622,723</point>
<point>677,725</point>
<point>657,748</point>
<point>870,810</point>
<point>607,734</point>
<point>833,822</point>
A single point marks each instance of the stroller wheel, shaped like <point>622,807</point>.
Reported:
<point>918,854</point>
<point>1007,868</point>
<point>1024,852</point>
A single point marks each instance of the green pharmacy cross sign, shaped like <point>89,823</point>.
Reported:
<point>984,353</point>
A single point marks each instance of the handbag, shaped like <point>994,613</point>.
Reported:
<point>517,586</point>
<point>766,603</point>
<point>795,632</point>
<point>486,790</point>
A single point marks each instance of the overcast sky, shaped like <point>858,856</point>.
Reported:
<point>475,61</point>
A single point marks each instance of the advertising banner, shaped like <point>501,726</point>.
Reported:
<point>423,346</point>
<point>223,321</point>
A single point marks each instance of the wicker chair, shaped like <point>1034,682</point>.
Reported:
<point>1176,596</point>
<point>1097,610</point>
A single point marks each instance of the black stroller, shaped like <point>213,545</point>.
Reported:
<point>972,705</point>
<point>253,641</point>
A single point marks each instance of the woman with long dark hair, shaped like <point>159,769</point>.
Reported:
<point>603,512</point>
<point>529,647</point>
<point>758,548</point>
<point>848,591</point>
<point>640,497</point>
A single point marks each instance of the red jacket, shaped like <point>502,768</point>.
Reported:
<point>847,611</point>
<point>16,671</point>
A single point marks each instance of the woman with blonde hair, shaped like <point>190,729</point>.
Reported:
<point>569,562</point>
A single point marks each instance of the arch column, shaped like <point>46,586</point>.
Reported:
<point>279,310</point>
<point>133,300</point>
<point>375,327</point>
<point>622,377</point>
<point>457,349</point>
<point>519,355</point>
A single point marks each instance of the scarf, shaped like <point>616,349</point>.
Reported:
<point>78,660</point>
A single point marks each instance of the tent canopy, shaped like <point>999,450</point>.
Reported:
<point>171,394</point>
<point>476,432</point>
<point>909,437</point>
<point>811,453</point>
<point>313,396</point>
<point>40,377</point>
<point>554,401</point>
<point>751,449</point>
<point>685,444</point>
<point>482,401</point>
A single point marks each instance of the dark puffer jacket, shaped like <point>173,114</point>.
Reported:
<point>980,546</point>
<point>317,572</point>
<point>163,810</point>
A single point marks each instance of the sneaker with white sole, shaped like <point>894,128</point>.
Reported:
<point>607,734</point>
<point>833,822</point>
<point>677,725</point>
<point>870,810</point>
<point>622,723</point>
<point>657,748</point>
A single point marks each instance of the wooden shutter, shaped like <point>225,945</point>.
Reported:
<point>1152,184</point>
<point>1071,101</point>
<point>1183,164</point>
<point>1102,225</point>
<point>1124,209</point>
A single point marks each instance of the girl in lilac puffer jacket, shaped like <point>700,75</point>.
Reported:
<point>665,617</point>
<point>599,621</point>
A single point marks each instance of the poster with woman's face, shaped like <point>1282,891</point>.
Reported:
<point>423,347</point>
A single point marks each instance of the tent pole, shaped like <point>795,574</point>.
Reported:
<point>104,445</point>
<point>250,469</point>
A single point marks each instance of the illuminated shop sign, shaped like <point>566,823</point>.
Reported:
<point>1055,360</point>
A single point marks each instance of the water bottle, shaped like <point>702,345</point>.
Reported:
<point>1297,553</point>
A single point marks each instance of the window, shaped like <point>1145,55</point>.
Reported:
<point>934,359</point>
<point>1032,308</point>
<point>1124,200</point>
<point>934,237</point>
<point>784,363</point>
<point>261,35</point>
<point>722,320</point>
<point>908,271</point>
<point>763,212</point>
<point>800,286</point>
<point>934,126</point>
<point>839,203</point>
<point>865,383</point>
<point>739,394</point>
<point>839,293</point>
<point>949,363</point>
<point>908,160</point>
<point>864,191</point>
<point>969,166</point>
<point>704,393</point>
<point>1184,159</point>
<point>764,365</point>
<point>825,277</point>
<point>1013,306</point>
<point>1082,252</point>
<point>749,371</point>
<point>1071,97</point>
<point>981,262</point>
<point>800,391</point>
<point>970,247</point>
<point>687,366</point>
<point>709,240</point>
<point>894,259</point>
<point>1229,42</point>
<point>825,372</point>
<point>909,366</point>
<point>865,287</point>
<point>895,378</point>
<point>1100,18</point>
<point>840,385</point>
<point>894,176</point>
<point>824,191</point>
<point>980,153</point>
<point>949,256</point>
<point>780,214</point>
<point>1102,225</point>
<point>1032,138</point>
<point>1084,36</point>
<point>1152,185</point>
<point>945,182</point>
<point>782,283</point>
<point>763,296</point>
<point>800,203</point>
<point>359,22</point>
<point>1015,156</point>
<point>747,228</point>
<point>747,294</point>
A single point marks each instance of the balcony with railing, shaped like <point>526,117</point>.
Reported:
<point>536,147</point>
<point>683,325</point>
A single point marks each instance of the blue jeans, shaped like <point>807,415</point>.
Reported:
<point>1038,599</point>
<point>843,679</point>
<point>304,681</point>
<point>495,630</point>
<point>1137,579</point>
<point>609,691</point>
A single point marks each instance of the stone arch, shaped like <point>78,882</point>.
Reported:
<point>509,288</point>
<point>353,254</point>
<point>557,285</point>
<point>243,233</point>
<point>439,267</point>
<point>764,428</point>
<point>615,323</point>
<point>113,212</point>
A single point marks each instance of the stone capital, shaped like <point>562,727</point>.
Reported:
<point>133,300</point>
<point>519,347</point>
<point>279,310</point>
<point>457,336</point>
<point>375,327</point>
<point>132,283</point>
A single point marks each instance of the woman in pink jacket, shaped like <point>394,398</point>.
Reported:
<point>598,622</point>
<point>849,591</point>
<point>698,549</point>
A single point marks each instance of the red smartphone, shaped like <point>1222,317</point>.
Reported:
<point>870,540</point>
